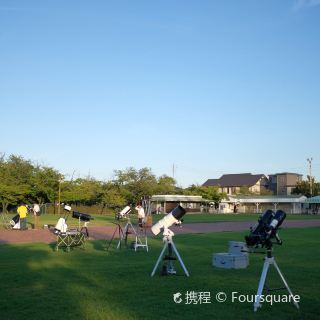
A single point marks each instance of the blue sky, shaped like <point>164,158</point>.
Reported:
<point>211,86</point>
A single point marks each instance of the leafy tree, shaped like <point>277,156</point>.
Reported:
<point>303,187</point>
<point>136,183</point>
<point>15,175</point>
<point>81,191</point>
<point>21,170</point>
<point>20,179</point>
<point>166,185</point>
<point>45,185</point>
<point>265,192</point>
<point>208,193</point>
<point>112,196</point>
<point>245,190</point>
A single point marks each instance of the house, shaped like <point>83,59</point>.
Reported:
<point>233,183</point>
<point>283,183</point>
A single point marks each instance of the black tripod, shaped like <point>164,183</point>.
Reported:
<point>120,235</point>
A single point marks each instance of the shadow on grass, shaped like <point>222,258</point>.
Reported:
<point>39,283</point>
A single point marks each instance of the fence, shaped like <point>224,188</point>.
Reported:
<point>50,208</point>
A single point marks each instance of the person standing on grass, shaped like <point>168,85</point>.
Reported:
<point>22,212</point>
<point>36,214</point>
<point>141,214</point>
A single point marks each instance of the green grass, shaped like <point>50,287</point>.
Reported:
<point>103,220</point>
<point>207,217</point>
<point>39,283</point>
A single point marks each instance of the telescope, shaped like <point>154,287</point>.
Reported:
<point>123,213</point>
<point>263,232</point>
<point>78,215</point>
<point>261,236</point>
<point>164,224</point>
<point>81,216</point>
<point>67,208</point>
<point>174,217</point>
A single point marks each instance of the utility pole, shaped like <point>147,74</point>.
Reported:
<point>173,171</point>
<point>61,177</point>
<point>59,195</point>
<point>310,174</point>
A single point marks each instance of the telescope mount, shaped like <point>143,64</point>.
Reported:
<point>170,249</point>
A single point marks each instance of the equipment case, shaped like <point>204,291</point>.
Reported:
<point>230,260</point>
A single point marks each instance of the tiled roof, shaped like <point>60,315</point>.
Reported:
<point>235,180</point>
<point>284,173</point>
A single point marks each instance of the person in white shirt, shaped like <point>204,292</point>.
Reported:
<point>141,214</point>
<point>36,214</point>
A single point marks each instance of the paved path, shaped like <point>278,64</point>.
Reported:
<point>102,233</point>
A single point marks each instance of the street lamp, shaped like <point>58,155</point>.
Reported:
<point>310,176</point>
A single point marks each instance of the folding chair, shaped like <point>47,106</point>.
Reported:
<point>71,238</point>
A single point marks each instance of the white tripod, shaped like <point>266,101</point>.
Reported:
<point>269,260</point>
<point>169,245</point>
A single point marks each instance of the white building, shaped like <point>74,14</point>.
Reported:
<point>165,203</point>
<point>258,204</point>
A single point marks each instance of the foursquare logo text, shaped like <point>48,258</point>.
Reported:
<point>205,297</point>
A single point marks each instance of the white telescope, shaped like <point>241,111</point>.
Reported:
<point>126,210</point>
<point>171,218</point>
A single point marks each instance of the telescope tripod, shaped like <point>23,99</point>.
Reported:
<point>270,260</point>
<point>120,234</point>
<point>125,233</point>
<point>123,236</point>
<point>168,267</point>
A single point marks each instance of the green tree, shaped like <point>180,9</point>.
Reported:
<point>208,193</point>
<point>136,183</point>
<point>22,180</point>
<point>15,176</point>
<point>303,187</point>
<point>112,196</point>
<point>165,185</point>
<point>45,184</point>
<point>84,191</point>
<point>244,190</point>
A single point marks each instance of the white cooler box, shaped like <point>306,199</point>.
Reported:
<point>230,260</point>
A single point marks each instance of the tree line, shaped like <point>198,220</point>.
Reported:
<point>24,180</point>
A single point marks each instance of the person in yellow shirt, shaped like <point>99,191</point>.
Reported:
<point>22,211</point>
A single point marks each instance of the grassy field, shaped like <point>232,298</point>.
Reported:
<point>39,283</point>
<point>102,220</point>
